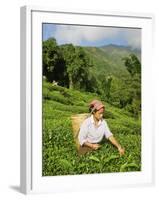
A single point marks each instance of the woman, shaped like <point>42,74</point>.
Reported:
<point>94,128</point>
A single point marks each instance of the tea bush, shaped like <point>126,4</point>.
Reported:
<point>59,154</point>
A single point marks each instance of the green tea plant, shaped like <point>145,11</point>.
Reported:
<point>59,153</point>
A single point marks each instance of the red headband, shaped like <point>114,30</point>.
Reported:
<point>96,105</point>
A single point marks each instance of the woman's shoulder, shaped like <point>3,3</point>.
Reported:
<point>86,121</point>
<point>104,121</point>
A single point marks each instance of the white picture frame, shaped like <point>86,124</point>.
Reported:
<point>31,180</point>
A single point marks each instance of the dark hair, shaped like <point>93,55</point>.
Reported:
<point>95,105</point>
<point>91,110</point>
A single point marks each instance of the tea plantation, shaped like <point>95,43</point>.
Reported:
<point>59,154</point>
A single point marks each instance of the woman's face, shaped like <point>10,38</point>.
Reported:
<point>99,114</point>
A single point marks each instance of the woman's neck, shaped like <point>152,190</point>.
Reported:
<point>95,120</point>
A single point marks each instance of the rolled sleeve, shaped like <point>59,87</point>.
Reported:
<point>107,131</point>
<point>82,136</point>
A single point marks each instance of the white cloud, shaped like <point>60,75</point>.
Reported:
<point>133,38</point>
<point>78,34</point>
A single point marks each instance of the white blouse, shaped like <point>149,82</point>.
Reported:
<point>91,133</point>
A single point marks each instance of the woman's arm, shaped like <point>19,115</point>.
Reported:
<point>117,145</point>
<point>92,146</point>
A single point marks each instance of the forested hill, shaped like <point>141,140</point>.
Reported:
<point>108,58</point>
<point>113,72</point>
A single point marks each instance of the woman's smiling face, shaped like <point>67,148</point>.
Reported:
<point>99,114</point>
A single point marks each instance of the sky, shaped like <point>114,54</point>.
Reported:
<point>93,36</point>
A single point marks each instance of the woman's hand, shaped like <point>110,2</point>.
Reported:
<point>92,146</point>
<point>121,151</point>
<point>118,146</point>
<point>95,146</point>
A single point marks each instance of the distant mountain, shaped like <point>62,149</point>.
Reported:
<point>123,49</point>
<point>108,59</point>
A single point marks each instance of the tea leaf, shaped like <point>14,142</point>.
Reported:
<point>65,164</point>
<point>112,157</point>
<point>94,158</point>
<point>126,165</point>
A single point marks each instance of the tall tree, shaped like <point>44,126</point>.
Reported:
<point>77,65</point>
<point>53,62</point>
<point>106,86</point>
<point>132,64</point>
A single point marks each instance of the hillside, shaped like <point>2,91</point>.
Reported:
<point>59,152</point>
<point>108,59</point>
<point>113,72</point>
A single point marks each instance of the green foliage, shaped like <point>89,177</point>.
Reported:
<point>65,165</point>
<point>126,93</point>
<point>132,64</point>
<point>68,65</point>
<point>77,64</point>
<point>118,72</point>
<point>94,158</point>
<point>106,86</point>
<point>113,72</point>
<point>108,59</point>
<point>128,165</point>
<point>53,62</point>
<point>59,155</point>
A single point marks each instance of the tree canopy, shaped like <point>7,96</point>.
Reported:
<point>73,67</point>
